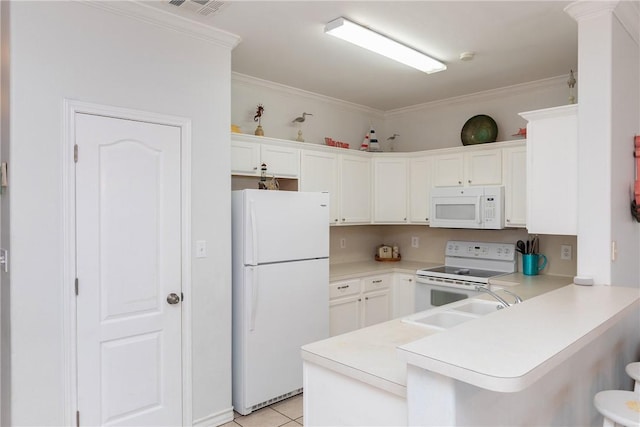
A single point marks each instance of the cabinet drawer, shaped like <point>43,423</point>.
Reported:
<point>375,283</point>
<point>342,289</point>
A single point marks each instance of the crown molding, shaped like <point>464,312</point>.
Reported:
<point>161,18</point>
<point>627,12</point>
<point>482,96</point>
<point>587,8</point>
<point>243,79</point>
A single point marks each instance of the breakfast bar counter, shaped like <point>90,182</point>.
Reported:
<point>401,373</point>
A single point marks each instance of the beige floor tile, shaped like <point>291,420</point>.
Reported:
<point>300,421</point>
<point>291,424</point>
<point>292,407</point>
<point>265,417</point>
<point>230,424</point>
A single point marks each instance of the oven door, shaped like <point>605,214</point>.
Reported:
<point>430,295</point>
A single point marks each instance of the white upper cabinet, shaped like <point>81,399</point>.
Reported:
<point>483,167</point>
<point>319,172</point>
<point>448,170</point>
<point>552,170</point>
<point>248,153</point>
<point>386,188</point>
<point>420,183</point>
<point>355,189</point>
<point>390,189</point>
<point>473,167</point>
<point>515,185</point>
<point>245,158</point>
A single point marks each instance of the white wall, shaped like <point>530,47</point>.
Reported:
<point>421,127</point>
<point>73,50</point>
<point>332,118</point>
<point>439,124</point>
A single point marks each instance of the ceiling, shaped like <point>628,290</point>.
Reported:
<point>284,42</point>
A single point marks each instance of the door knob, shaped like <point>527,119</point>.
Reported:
<point>173,298</point>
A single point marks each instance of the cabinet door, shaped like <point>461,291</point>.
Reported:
<point>390,190</point>
<point>281,161</point>
<point>319,172</point>
<point>515,186</point>
<point>420,172</point>
<point>344,315</point>
<point>552,170</point>
<point>483,167</point>
<point>355,189</point>
<point>245,158</point>
<point>375,307</point>
<point>404,299</point>
<point>448,170</point>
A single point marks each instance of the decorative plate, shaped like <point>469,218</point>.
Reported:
<point>478,130</point>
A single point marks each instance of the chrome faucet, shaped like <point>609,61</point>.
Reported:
<point>501,300</point>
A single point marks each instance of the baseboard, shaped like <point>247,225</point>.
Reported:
<point>216,419</point>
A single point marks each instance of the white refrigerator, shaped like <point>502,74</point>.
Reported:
<point>280,290</point>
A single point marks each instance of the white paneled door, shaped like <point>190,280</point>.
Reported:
<point>129,272</point>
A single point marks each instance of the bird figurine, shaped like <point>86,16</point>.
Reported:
<point>393,137</point>
<point>301,118</point>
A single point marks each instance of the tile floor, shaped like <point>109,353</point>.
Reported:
<point>285,413</point>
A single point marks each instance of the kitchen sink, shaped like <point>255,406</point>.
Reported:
<point>453,314</point>
<point>440,320</point>
<point>478,307</point>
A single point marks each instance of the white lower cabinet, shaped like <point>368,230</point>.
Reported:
<point>404,299</point>
<point>358,303</point>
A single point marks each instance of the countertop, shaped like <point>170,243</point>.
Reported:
<point>509,350</point>
<point>350,270</point>
<point>371,354</point>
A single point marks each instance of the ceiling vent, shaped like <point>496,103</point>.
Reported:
<point>201,7</point>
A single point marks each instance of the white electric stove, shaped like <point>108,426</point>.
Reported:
<point>467,265</point>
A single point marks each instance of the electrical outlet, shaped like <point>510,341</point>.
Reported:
<point>565,252</point>
<point>343,243</point>
<point>415,242</point>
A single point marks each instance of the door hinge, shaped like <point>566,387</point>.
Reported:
<point>75,153</point>
<point>76,286</point>
<point>181,296</point>
<point>77,418</point>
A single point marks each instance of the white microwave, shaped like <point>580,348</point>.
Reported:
<point>467,207</point>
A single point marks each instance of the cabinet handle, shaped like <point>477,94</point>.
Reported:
<point>255,168</point>
<point>343,287</point>
<point>459,182</point>
<point>343,219</point>
<point>377,281</point>
<point>359,299</point>
<point>366,298</point>
<point>405,219</point>
<point>469,181</point>
<point>336,220</point>
<point>508,220</point>
<point>427,219</point>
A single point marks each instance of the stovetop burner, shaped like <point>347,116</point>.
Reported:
<point>462,271</point>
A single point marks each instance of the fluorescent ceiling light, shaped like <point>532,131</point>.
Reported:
<point>363,37</point>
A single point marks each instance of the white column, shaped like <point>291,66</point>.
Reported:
<point>608,118</point>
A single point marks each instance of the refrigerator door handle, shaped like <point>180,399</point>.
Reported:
<point>254,299</point>
<point>254,233</point>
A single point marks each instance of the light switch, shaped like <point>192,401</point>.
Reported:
<point>201,249</point>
